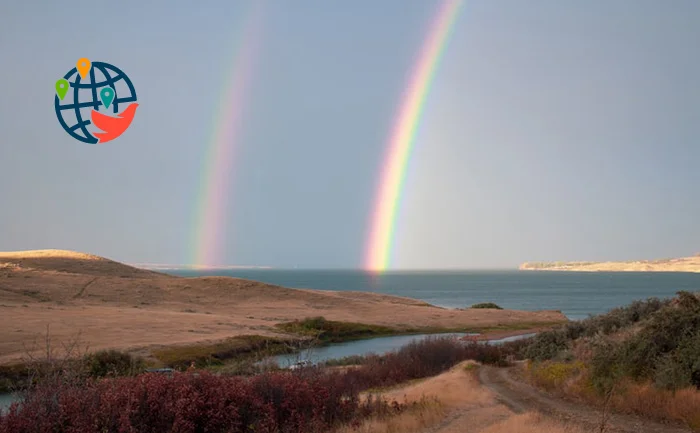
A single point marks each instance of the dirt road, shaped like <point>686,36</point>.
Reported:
<point>521,397</point>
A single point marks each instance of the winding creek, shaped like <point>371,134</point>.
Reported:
<point>379,345</point>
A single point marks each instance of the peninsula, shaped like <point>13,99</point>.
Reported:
<point>683,264</point>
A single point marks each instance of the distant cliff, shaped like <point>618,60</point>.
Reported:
<point>683,264</point>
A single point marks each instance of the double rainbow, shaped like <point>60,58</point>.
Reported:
<point>214,186</point>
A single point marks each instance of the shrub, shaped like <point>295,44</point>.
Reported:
<point>681,367</point>
<point>548,344</point>
<point>490,305</point>
<point>310,400</point>
<point>668,341</point>
<point>114,363</point>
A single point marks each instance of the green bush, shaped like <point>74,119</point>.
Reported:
<point>548,344</point>
<point>487,305</point>
<point>605,366</point>
<point>669,337</point>
<point>666,349</point>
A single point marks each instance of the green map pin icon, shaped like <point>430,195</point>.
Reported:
<point>107,95</point>
<point>62,87</point>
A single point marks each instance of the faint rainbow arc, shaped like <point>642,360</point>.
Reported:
<point>393,173</point>
<point>214,193</point>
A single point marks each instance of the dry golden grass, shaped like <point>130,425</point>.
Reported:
<point>115,306</point>
<point>416,419</point>
<point>682,405</point>
<point>455,388</point>
<point>531,422</point>
<point>572,380</point>
<point>435,398</point>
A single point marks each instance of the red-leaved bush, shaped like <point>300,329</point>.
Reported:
<point>307,401</point>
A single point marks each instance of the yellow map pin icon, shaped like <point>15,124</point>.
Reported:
<point>83,65</point>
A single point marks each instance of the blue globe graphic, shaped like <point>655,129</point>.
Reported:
<point>73,112</point>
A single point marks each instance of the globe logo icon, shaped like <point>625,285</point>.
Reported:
<point>95,102</point>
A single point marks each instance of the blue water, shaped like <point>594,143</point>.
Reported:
<point>379,345</point>
<point>576,294</point>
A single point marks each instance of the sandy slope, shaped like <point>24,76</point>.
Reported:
<point>683,264</point>
<point>113,305</point>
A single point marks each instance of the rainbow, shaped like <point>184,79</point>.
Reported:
<point>403,135</point>
<point>214,191</point>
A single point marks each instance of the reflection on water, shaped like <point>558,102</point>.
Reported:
<point>378,346</point>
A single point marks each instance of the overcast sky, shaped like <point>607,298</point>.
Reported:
<point>555,130</point>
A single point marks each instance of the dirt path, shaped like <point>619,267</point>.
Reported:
<point>521,397</point>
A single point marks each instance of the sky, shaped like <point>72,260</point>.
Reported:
<point>554,130</point>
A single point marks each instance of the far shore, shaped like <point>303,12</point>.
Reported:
<point>683,264</point>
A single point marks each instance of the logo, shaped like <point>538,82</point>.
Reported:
<point>89,99</point>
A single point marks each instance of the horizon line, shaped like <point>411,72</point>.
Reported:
<point>313,268</point>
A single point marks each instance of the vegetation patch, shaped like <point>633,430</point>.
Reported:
<point>308,400</point>
<point>113,363</point>
<point>643,358</point>
<point>553,375</point>
<point>103,363</point>
<point>326,331</point>
<point>329,331</point>
<point>13,377</point>
<point>237,348</point>
<point>487,305</point>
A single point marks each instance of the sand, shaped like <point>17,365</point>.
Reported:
<point>683,264</point>
<point>112,305</point>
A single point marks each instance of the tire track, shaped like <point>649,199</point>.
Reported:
<point>521,397</point>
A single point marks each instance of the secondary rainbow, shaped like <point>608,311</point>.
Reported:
<point>214,193</point>
<point>401,140</point>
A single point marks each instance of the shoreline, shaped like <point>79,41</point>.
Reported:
<point>498,335</point>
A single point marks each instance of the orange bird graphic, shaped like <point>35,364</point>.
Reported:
<point>113,127</point>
